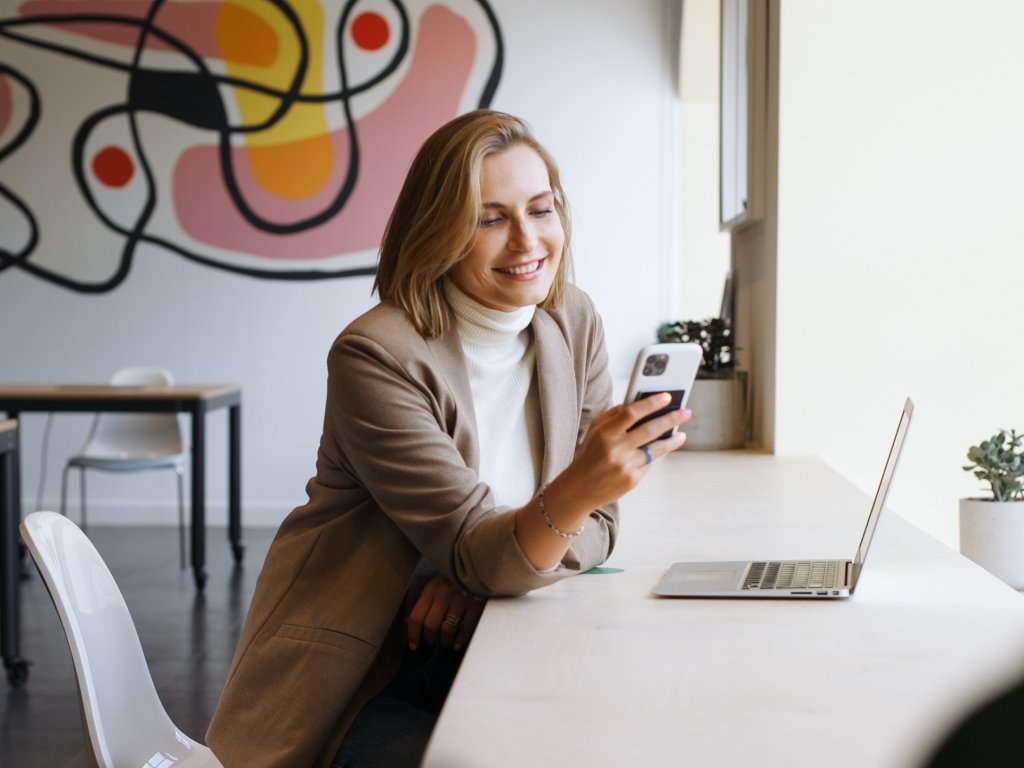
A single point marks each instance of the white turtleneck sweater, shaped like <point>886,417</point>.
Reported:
<point>499,353</point>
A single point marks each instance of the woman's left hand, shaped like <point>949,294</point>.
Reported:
<point>443,615</point>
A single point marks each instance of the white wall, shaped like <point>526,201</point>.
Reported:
<point>900,268</point>
<point>595,79</point>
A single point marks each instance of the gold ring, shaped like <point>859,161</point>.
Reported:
<point>452,619</point>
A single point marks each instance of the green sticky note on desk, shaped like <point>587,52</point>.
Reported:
<point>597,570</point>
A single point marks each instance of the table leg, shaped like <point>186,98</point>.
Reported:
<point>16,486</point>
<point>199,495</point>
<point>235,482</point>
<point>10,515</point>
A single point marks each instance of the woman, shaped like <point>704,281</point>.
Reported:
<point>467,435</point>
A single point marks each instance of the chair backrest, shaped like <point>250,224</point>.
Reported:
<point>126,722</point>
<point>136,435</point>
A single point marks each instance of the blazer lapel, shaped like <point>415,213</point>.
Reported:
<point>556,385</point>
<point>448,352</point>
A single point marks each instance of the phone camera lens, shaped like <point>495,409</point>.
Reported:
<point>655,365</point>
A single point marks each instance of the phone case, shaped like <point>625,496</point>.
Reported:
<point>681,365</point>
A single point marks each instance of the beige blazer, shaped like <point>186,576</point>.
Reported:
<point>396,480</point>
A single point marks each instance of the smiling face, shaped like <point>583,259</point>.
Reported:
<point>519,239</point>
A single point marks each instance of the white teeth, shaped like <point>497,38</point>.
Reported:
<point>523,270</point>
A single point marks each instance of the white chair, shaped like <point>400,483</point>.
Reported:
<point>132,442</point>
<point>125,721</point>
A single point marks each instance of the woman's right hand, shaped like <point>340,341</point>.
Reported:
<point>609,462</point>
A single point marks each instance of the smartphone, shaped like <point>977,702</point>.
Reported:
<point>661,368</point>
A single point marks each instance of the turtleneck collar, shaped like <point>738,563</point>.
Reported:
<point>483,324</point>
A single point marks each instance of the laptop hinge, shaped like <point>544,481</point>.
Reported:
<point>849,574</point>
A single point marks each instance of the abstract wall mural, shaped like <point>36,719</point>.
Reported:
<point>268,138</point>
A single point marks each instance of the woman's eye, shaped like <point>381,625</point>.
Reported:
<point>489,222</point>
<point>542,212</point>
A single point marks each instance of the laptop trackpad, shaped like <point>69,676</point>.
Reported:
<point>701,578</point>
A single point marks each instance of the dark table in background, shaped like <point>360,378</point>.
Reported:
<point>195,400</point>
<point>10,515</point>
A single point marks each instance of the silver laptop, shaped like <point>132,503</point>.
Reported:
<point>815,579</point>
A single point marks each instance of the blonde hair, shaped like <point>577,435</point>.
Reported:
<point>435,218</point>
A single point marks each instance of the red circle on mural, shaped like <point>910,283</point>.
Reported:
<point>370,31</point>
<point>113,166</point>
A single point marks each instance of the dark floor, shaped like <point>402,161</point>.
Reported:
<point>188,638</point>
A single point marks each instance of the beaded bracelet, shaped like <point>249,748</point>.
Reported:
<point>551,525</point>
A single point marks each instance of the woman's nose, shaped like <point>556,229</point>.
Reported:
<point>523,238</point>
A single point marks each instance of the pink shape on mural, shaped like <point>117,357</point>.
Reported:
<point>192,23</point>
<point>389,137</point>
<point>6,104</point>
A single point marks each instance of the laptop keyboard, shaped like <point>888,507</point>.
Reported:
<point>799,574</point>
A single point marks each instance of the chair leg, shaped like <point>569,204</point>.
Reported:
<point>85,523</point>
<point>64,491</point>
<point>181,518</point>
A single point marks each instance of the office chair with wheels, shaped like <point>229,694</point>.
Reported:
<point>131,443</point>
<point>124,719</point>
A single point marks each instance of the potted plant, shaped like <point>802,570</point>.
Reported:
<point>718,400</point>
<point>992,529</point>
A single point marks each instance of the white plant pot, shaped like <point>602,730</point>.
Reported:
<point>992,535</point>
<point>719,414</point>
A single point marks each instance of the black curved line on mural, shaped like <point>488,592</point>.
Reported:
<point>158,79</point>
<point>183,48</point>
<point>133,234</point>
<point>7,258</point>
<point>491,87</point>
<point>128,252</point>
<point>149,204</point>
<point>208,112</point>
<point>34,110</point>
<point>78,170</point>
<point>262,274</point>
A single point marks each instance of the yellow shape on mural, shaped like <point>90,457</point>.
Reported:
<point>287,167</point>
<point>294,157</point>
<point>244,37</point>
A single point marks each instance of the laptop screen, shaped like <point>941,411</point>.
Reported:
<point>883,489</point>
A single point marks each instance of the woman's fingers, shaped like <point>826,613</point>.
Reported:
<point>630,414</point>
<point>414,621</point>
<point>659,448</point>
<point>426,623</point>
<point>434,617</point>
<point>623,416</point>
<point>457,609</point>
<point>652,429</point>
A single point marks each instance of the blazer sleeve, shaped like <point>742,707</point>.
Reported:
<point>388,429</point>
<point>595,544</point>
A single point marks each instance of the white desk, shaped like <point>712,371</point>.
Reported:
<point>596,672</point>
